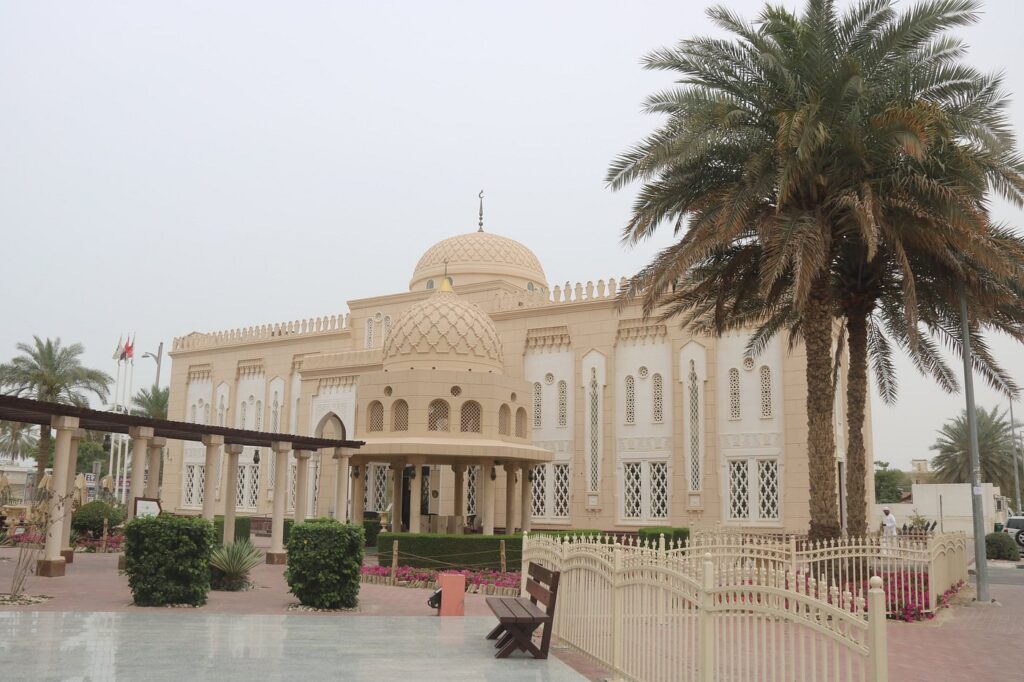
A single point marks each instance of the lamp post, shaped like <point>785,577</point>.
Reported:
<point>980,558</point>
<point>1016,455</point>
<point>159,359</point>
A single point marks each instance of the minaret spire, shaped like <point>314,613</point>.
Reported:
<point>481,223</point>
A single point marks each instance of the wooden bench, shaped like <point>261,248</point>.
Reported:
<point>519,617</point>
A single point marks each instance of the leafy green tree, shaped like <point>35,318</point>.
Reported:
<point>52,372</point>
<point>151,402</point>
<point>890,484</point>
<point>810,147</point>
<point>17,440</point>
<point>995,450</point>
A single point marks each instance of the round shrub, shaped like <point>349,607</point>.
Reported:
<point>167,559</point>
<point>1001,546</point>
<point>325,559</point>
<point>88,520</point>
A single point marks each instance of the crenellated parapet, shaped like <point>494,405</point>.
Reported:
<point>260,333</point>
<point>603,290</point>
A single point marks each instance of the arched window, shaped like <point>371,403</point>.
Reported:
<point>658,399</point>
<point>375,416</point>
<point>537,405</point>
<point>595,438</point>
<point>529,286</point>
<point>734,393</point>
<point>630,400</point>
<point>430,284</point>
<point>437,416</point>
<point>766,392</point>
<point>275,415</point>
<point>563,403</point>
<point>369,333</point>
<point>206,413</point>
<point>521,422</point>
<point>504,421</point>
<point>220,412</point>
<point>192,418</point>
<point>243,408</point>
<point>387,325</point>
<point>400,416</point>
<point>469,421</point>
<point>695,454</point>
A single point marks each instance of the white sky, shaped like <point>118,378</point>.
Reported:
<point>170,167</point>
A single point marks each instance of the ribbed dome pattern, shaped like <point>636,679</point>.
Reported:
<point>479,253</point>
<point>443,331</point>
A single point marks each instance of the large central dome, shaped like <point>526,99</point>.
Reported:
<point>478,257</point>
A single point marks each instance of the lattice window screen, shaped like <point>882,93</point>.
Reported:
<point>369,333</point>
<point>561,492</point>
<point>658,399</point>
<point>504,420</point>
<point>659,489</point>
<point>632,490</point>
<point>739,490</point>
<point>540,490</point>
<point>375,416</point>
<point>521,423</point>
<point>206,414</point>
<point>192,417</point>
<point>694,421</point>
<point>243,409</point>
<point>537,405</point>
<point>768,488</point>
<point>259,415</point>
<point>271,469</point>
<point>380,487</point>
<point>734,393</point>
<point>194,482</point>
<point>400,416</point>
<point>471,477</point>
<point>595,438</point>
<point>292,471</point>
<point>240,486</point>
<point>275,415</point>
<point>437,416</point>
<point>766,391</point>
<point>630,400</point>
<point>387,325</point>
<point>220,412</point>
<point>469,420</point>
<point>563,403</point>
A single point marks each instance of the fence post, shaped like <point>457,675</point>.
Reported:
<point>877,651</point>
<point>501,547</point>
<point>792,554</point>
<point>617,614</point>
<point>524,569</point>
<point>106,529</point>
<point>707,623</point>
<point>394,562</point>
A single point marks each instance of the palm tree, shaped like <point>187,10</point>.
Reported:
<point>806,139</point>
<point>49,371</point>
<point>995,450</point>
<point>17,441</point>
<point>151,402</point>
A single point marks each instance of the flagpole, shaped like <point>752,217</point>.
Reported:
<point>117,387</point>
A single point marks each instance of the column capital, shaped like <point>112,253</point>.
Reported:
<point>212,439</point>
<point>510,467</point>
<point>79,434</point>
<point>140,431</point>
<point>459,468</point>
<point>64,422</point>
<point>342,453</point>
<point>303,454</point>
<point>233,449</point>
<point>157,442</point>
<point>280,446</point>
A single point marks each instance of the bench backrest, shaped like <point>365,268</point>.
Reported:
<point>542,586</point>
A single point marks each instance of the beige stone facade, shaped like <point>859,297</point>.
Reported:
<point>486,385</point>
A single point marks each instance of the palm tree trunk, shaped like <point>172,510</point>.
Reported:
<point>821,445</point>
<point>856,399</point>
<point>42,456</point>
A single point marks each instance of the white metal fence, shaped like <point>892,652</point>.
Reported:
<point>647,614</point>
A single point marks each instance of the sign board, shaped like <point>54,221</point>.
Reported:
<point>147,506</point>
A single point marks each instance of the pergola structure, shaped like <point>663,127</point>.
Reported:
<point>149,436</point>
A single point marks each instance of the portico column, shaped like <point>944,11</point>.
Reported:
<point>141,436</point>
<point>358,493</point>
<point>212,444</point>
<point>488,526</point>
<point>525,499</point>
<point>230,491</point>
<point>458,498</point>
<point>510,499</point>
<point>276,555</point>
<point>156,449</point>
<point>415,498</point>
<point>397,485</point>
<point>301,484</point>
<point>52,564</point>
<point>341,459</point>
<point>67,551</point>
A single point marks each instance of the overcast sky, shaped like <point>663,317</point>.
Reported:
<point>170,167</point>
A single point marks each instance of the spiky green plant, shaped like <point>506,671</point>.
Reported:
<point>230,565</point>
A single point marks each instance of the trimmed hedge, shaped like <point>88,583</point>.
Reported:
<point>371,527</point>
<point>167,559</point>
<point>325,561</point>
<point>1001,546</point>
<point>440,550</point>
<point>653,534</point>
<point>88,520</point>
<point>243,528</point>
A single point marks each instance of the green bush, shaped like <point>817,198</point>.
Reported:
<point>372,529</point>
<point>1001,546</point>
<point>439,550</point>
<point>167,559</point>
<point>88,520</point>
<point>230,565</point>
<point>243,528</point>
<point>654,533</point>
<point>325,561</point>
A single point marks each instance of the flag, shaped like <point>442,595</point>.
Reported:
<point>129,349</point>
<point>119,351</point>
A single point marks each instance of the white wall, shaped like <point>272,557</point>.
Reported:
<point>947,503</point>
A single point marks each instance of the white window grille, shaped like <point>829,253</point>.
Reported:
<point>400,416</point>
<point>595,440</point>
<point>275,415</point>
<point>537,405</point>
<point>469,419</point>
<point>694,440</point>
<point>734,394</point>
<point>659,490</point>
<point>754,489</point>
<point>375,416</point>
<point>632,493</point>
<point>739,490</point>
<point>748,363</point>
<point>242,409</point>
<point>192,490</point>
<point>471,478</point>
<point>259,415</point>
<point>192,414</point>
<point>314,463</point>
<point>645,491</point>
<point>387,325</point>
<point>271,469</point>
<point>378,499</point>
<point>768,489</point>
<point>220,412</point>
<point>630,400</point>
<point>561,496</point>
<point>643,372</point>
<point>247,489</point>
<point>206,413</point>
<point>658,399</point>
<point>549,378</point>
<point>437,416</point>
<point>521,422</point>
<point>292,475</point>
<point>563,403</point>
<point>540,491</point>
<point>369,333</point>
<point>504,420</point>
<point>766,391</point>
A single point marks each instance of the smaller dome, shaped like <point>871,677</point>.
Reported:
<point>479,257</point>
<point>443,332</point>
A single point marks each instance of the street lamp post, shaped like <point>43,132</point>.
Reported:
<point>159,359</point>
<point>1016,455</point>
<point>980,557</point>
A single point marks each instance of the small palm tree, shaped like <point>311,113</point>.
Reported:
<point>151,402</point>
<point>17,440</point>
<point>995,450</point>
<point>52,372</point>
<point>230,565</point>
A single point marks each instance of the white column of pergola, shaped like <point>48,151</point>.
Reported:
<point>67,551</point>
<point>525,499</point>
<point>459,504</point>
<point>230,492</point>
<point>397,484</point>
<point>341,459</point>
<point>52,564</point>
<point>277,555</point>
<point>156,448</point>
<point>140,435</point>
<point>213,444</point>
<point>415,498</point>
<point>510,499</point>
<point>301,484</point>
<point>358,492</point>
<point>487,471</point>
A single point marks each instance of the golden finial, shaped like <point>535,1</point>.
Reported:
<point>481,223</point>
<point>445,284</point>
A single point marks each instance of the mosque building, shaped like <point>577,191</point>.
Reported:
<point>489,397</point>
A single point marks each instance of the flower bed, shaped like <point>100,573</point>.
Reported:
<point>486,581</point>
<point>114,543</point>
